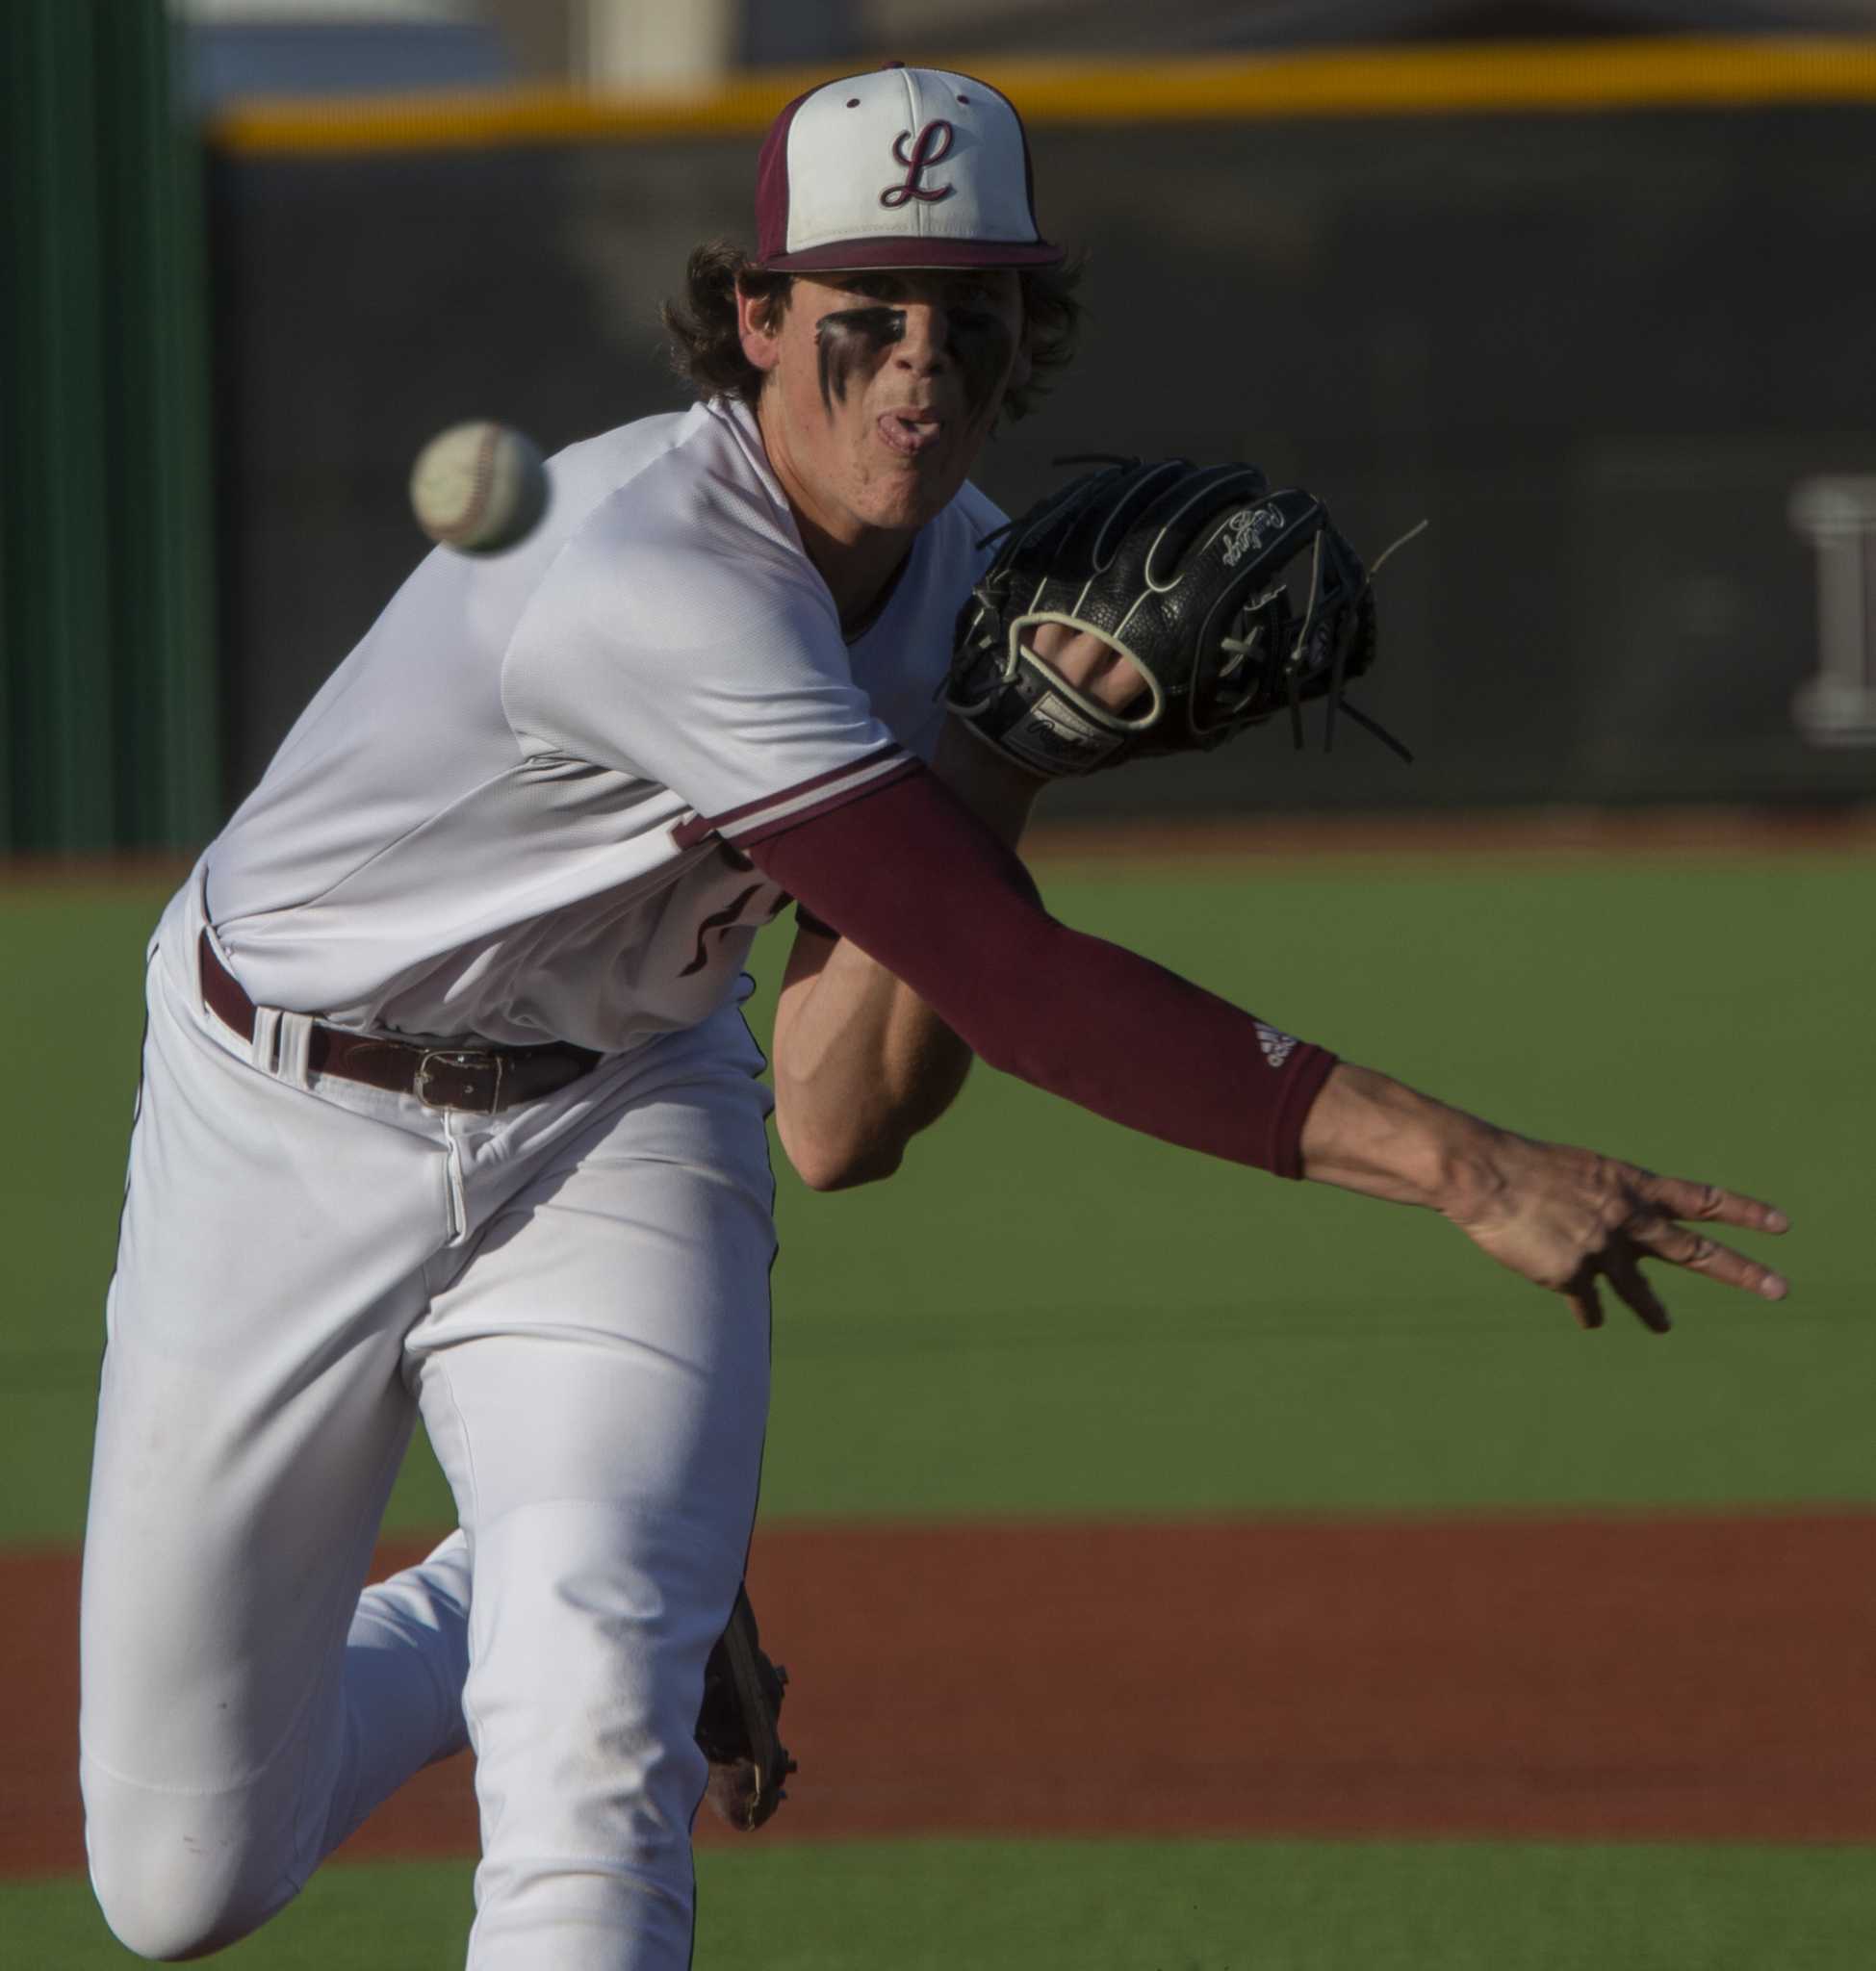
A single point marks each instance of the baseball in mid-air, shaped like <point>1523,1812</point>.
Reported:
<point>478,487</point>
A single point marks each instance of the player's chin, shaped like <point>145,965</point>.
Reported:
<point>907,492</point>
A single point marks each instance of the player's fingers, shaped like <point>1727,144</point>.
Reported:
<point>1586,1307</point>
<point>1625,1276</point>
<point>1093,666</point>
<point>1106,674</point>
<point>1700,1254</point>
<point>1680,1197</point>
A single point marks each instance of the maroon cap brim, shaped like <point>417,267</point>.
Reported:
<point>859,256</point>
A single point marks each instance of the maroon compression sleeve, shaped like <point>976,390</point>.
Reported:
<point>920,885</point>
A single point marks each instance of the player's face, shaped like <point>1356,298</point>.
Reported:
<point>882,388</point>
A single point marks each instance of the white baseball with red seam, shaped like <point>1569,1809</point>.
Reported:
<point>478,487</point>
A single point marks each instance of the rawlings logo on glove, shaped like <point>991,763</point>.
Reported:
<point>1229,600</point>
<point>1244,533</point>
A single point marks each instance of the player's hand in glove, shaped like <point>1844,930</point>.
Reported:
<point>736,1725</point>
<point>1148,610</point>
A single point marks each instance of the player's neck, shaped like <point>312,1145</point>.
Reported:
<point>860,574</point>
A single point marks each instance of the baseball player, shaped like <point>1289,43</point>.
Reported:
<point>448,1106</point>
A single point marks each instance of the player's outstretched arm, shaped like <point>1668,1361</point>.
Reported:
<point>911,877</point>
<point>1567,1218</point>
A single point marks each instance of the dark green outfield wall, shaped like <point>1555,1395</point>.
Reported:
<point>1596,350</point>
<point>109,731</point>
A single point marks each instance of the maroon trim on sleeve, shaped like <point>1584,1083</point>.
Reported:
<point>762,830</point>
<point>701,827</point>
<point>920,885</point>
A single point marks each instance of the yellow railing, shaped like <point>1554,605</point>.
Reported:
<point>1686,72</point>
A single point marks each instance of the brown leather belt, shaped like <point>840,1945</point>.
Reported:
<point>484,1079</point>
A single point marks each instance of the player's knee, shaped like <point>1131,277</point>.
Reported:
<point>167,1894</point>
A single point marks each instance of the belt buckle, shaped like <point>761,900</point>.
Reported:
<point>459,1077</point>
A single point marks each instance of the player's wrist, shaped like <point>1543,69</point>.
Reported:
<point>1367,1133</point>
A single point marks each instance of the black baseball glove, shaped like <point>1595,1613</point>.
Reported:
<point>1233,601</point>
<point>736,1725</point>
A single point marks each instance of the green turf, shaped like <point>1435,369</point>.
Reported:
<point>71,995</point>
<point>1042,1313</point>
<point>1122,1906</point>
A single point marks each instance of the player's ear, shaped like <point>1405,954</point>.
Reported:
<point>758,324</point>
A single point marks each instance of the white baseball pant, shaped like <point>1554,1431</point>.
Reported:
<point>574,1294</point>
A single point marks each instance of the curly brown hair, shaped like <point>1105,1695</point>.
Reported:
<point>705,342</point>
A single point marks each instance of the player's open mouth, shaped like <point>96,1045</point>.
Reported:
<point>909,432</point>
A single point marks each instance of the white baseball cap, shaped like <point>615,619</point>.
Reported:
<point>901,167</point>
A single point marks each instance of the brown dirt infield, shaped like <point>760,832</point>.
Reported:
<point>1700,1678</point>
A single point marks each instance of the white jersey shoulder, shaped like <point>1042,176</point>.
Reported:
<point>512,811</point>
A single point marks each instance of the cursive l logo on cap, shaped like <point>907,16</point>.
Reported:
<point>931,146</point>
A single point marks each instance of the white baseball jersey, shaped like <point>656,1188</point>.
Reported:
<point>510,813</point>
<point>504,815</point>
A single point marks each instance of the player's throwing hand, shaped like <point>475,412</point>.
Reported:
<point>1568,1217</point>
<point>1564,1218</point>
